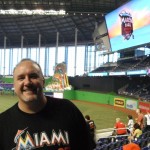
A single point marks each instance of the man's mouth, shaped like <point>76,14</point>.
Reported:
<point>29,90</point>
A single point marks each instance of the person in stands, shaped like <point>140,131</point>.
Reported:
<point>41,122</point>
<point>146,126</point>
<point>120,127</point>
<point>131,146</point>
<point>137,132</point>
<point>140,118</point>
<point>91,125</point>
<point>130,124</point>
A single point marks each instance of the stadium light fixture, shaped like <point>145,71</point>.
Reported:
<point>32,12</point>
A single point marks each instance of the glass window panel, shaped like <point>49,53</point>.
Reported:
<point>61,54</point>
<point>105,58</point>
<point>42,59</point>
<point>7,57</point>
<point>24,53</point>
<point>91,54</point>
<point>33,54</point>
<point>15,53</point>
<point>101,59</point>
<point>110,57</point>
<point>51,63</point>
<point>80,60</point>
<point>71,61</point>
<point>2,62</point>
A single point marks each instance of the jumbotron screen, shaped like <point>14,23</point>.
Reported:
<point>129,25</point>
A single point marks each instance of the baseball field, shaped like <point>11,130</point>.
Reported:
<point>102,114</point>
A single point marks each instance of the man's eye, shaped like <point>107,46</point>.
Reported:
<point>20,78</point>
<point>33,76</point>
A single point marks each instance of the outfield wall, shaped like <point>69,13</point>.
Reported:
<point>110,99</point>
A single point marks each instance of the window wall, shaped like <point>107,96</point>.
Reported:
<point>79,60</point>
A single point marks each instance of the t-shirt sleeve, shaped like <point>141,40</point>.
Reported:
<point>83,139</point>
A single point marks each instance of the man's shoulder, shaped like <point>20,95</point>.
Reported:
<point>64,106</point>
<point>58,102</point>
<point>6,114</point>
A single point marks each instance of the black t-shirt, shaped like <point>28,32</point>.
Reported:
<point>59,126</point>
<point>91,125</point>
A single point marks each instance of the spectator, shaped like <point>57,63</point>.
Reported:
<point>140,117</point>
<point>146,122</point>
<point>120,127</point>
<point>130,124</point>
<point>136,132</point>
<point>38,121</point>
<point>91,125</point>
<point>131,146</point>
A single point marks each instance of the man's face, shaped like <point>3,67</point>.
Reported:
<point>28,81</point>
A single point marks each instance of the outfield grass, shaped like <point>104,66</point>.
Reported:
<point>7,101</point>
<point>103,117</point>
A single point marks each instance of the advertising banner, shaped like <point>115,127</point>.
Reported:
<point>144,106</point>
<point>119,102</point>
<point>131,104</point>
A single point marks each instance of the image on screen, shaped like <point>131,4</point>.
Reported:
<point>129,25</point>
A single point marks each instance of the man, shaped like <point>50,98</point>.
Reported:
<point>40,122</point>
<point>140,117</point>
<point>120,127</point>
<point>131,146</point>
<point>91,126</point>
<point>146,122</point>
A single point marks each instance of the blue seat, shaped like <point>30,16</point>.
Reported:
<point>104,140</point>
<point>142,143</point>
<point>146,148</point>
<point>99,143</point>
<point>111,146</point>
<point>120,143</point>
<point>125,142</point>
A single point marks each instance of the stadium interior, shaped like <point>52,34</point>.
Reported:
<point>129,76</point>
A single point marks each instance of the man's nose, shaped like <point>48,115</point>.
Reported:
<point>27,80</point>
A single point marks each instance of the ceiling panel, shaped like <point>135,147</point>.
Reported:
<point>82,14</point>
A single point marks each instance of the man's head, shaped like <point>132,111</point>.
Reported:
<point>118,119</point>
<point>28,80</point>
<point>130,117</point>
<point>138,111</point>
<point>87,117</point>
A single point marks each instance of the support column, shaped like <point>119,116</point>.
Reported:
<point>39,48</point>
<point>86,59</point>
<point>5,39</point>
<point>96,26</point>
<point>22,38</point>
<point>76,38</point>
<point>56,54</point>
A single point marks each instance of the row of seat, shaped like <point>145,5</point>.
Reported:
<point>116,143</point>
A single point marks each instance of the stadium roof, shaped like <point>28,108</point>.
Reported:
<point>82,15</point>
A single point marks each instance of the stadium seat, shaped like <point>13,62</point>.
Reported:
<point>99,143</point>
<point>125,142</point>
<point>104,140</point>
<point>146,148</point>
<point>111,145</point>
